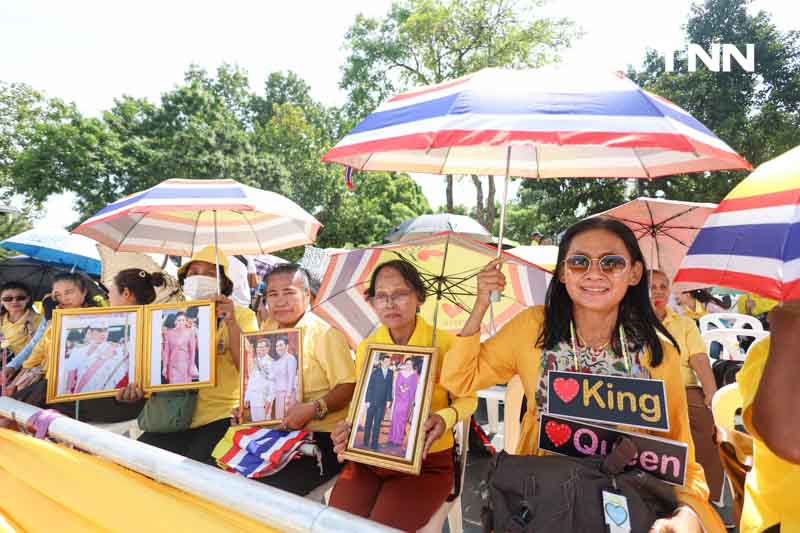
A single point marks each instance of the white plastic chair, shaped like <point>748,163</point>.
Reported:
<point>451,510</point>
<point>729,339</point>
<point>729,321</point>
<point>512,406</point>
<point>493,396</point>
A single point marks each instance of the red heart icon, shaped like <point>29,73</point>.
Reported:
<point>451,310</point>
<point>424,255</point>
<point>557,433</point>
<point>566,389</point>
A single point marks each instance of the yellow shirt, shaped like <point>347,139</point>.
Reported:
<point>327,362</point>
<point>771,488</point>
<point>41,352</point>
<point>696,313</point>
<point>463,406</point>
<point>472,366</point>
<point>762,305</point>
<point>16,335</point>
<point>689,340</point>
<point>217,402</point>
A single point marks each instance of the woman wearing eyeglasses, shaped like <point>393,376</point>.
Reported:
<point>398,500</point>
<point>597,319</point>
<point>18,320</point>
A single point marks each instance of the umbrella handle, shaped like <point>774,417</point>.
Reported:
<point>495,295</point>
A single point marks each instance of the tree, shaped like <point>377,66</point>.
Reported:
<point>757,113</point>
<point>422,42</point>
<point>10,225</point>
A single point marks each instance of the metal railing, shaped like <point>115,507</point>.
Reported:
<point>270,506</point>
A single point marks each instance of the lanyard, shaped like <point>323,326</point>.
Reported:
<point>623,342</point>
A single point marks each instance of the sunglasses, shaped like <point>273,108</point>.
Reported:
<point>608,264</point>
<point>13,298</point>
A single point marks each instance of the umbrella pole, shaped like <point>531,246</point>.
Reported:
<point>216,255</point>
<point>439,291</point>
<point>496,294</point>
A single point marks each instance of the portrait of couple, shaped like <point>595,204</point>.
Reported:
<point>389,412</point>
<point>272,381</point>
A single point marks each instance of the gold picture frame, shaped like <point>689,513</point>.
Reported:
<point>83,368</point>
<point>204,321</point>
<point>268,373</point>
<point>400,450</point>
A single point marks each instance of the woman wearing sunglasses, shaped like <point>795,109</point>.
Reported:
<point>597,319</point>
<point>18,320</point>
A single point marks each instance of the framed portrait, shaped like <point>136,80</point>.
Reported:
<point>391,403</point>
<point>271,375</point>
<point>95,352</point>
<point>181,346</point>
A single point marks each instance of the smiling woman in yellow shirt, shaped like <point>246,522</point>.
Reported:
<point>771,413</point>
<point>18,320</point>
<point>598,292</point>
<point>394,499</point>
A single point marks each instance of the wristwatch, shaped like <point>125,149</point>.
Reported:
<point>321,408</point>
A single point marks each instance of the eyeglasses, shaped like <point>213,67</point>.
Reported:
<point>609,264</point>
<point>13,298</point>
<point>398,298</point>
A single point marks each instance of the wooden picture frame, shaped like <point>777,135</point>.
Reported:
<point>398,446</point>
<point>165,338</point>
<point>95,351</point>
<point>271,373</point>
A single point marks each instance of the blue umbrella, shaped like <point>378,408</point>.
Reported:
<point>57,247</point>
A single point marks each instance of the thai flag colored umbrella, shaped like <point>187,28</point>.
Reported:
<point>665,228</point>
<point>448,263</point>
<point>180,216</point>
<point>751,241</point>
<point>542,123</point>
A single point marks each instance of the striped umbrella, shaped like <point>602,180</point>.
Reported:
<point>448,263</point>
<point>751,241</point>
<point>542,123</point>
<point>180,216</point>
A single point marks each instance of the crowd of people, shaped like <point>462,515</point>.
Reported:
<point>604,313</point>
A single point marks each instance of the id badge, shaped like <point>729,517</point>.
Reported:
<point>615,512</point>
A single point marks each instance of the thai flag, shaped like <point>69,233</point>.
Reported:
<point>348,177</point>
<point>255,452</point>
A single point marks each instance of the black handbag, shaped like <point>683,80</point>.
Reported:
<point>529,494</point>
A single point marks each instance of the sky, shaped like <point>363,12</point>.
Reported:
<point>90,52</point>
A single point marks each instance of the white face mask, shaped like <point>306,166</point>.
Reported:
<point>200,287</point>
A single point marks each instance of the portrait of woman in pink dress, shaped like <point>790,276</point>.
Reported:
<point>178,352</point>
<point>405,390</point>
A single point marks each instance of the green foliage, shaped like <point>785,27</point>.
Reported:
<point>10,225</point>
<point>422,42</point>
<point>208,127</point>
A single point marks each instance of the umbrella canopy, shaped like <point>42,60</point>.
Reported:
<point>544,256</point>
<point>38,276</point>
<point>57,247</point>
<point>559,123</point>
<point>751,241</point>
<point>426,225</point>
<point>181,216</point>
<point>448,263</point>
<point>665,228</point>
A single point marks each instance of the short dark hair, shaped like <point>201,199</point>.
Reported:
<point>383,356</point>
<point>408,272</point>
<point>18,286</point>
<point>140,282</point>
<point>289,268</point>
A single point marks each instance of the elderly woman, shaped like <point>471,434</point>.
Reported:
<point>403,501</point>
<point>597,319</point>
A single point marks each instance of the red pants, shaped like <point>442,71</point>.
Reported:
<point>398,500</point>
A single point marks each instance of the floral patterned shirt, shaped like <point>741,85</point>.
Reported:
<point>602,362</point>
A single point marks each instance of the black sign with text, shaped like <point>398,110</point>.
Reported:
<point>663,458</point>
<point>608,399</point>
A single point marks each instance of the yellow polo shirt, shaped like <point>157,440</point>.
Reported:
<point>327,362</point>
<point>689,340</point>
<point>771,488</point>
<point>461,408</point>
<point>217,402</point>
<point>16,335</point>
